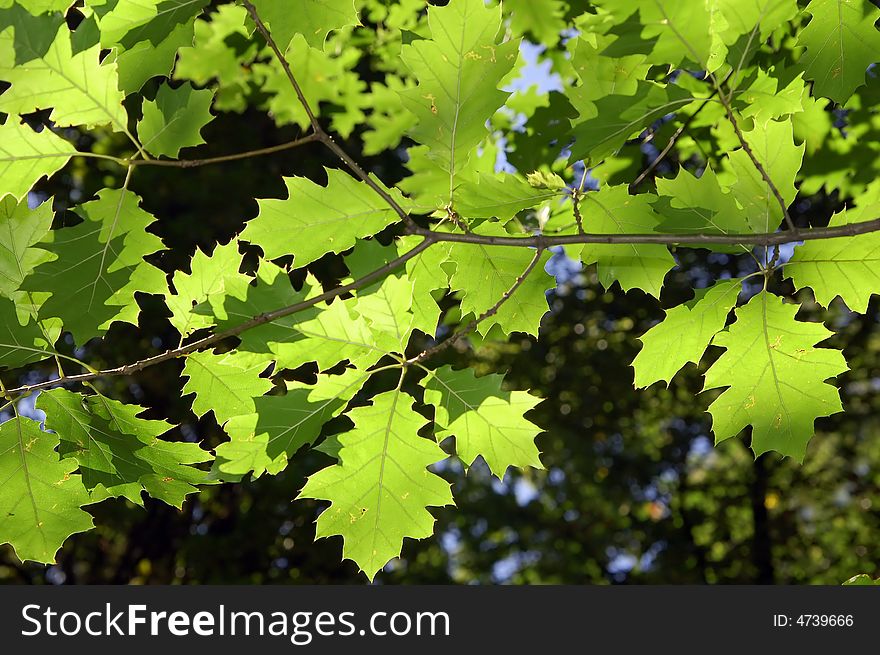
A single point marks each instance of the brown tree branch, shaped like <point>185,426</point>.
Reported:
<point>429,238</point>
<point>699,239</point>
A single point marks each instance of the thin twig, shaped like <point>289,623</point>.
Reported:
<point>576,196</point>
<point>470,327</point>
<point>321,134</point>
<point>193,163</point>
<point>262,319</point>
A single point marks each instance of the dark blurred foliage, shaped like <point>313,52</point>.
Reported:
<point>633,490</point>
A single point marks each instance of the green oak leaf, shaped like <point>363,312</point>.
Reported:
<point>40,506</point>
<point>33,33</point>
<point>129,22</point>
<point>684,334</point>
<point>226,384</point>
<point>37,7</point>
<point>333,334</point>
<point>742,17</point>
<point>100,263</point>
<point>119,453</point>
<point>21,228</point>
<point>862,580</point>
<point>602,75</point>
<point>485,274</point>
<point>764,99</point>
<point>169,15</point>
<point>381,487</point>
<point>315,220</point>
<point>174,119</point>
<point>272,291</point>
<point>213,279</point>
<point>459,69</point>
<point>22,344</point>
<point>78,87</point>
<point>774,377</point>
<point>386,310</point>
<point>26,156</point>
<point>210,56</point>
<point>314,19</point>
<point>265,440</point>
<point>841,42</point>
<point>142,61</point>
<point>486,421</point>
<point>429,281</point>
<point>611,210</point>
<point>503,196</point>
<point>848,267</point>
<point>619,118</point>
<point>542,18</point>
<point>700,205</point>
<point>773,145</point>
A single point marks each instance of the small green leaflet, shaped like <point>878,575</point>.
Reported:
<point>684,334</point>
<point>226,384</point>
<point>459,69</point>
<point>381,488</point>
<point>26,156</point>
<point>315,220</point>
<point>847,267</point>
<point>174,119</point>
<point>314,19</point>
<point>775,377</point>
<point>41,502</point>
<point>485,420</point>
<point>841,42</point>
<point>119,453</point>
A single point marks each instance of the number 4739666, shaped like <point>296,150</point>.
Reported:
<point>814,621</point>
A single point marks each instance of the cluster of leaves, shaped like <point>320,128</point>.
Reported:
<point>762,102</point>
